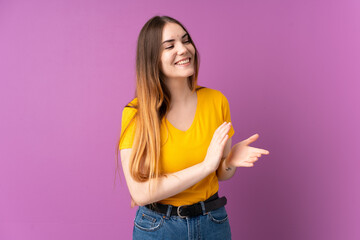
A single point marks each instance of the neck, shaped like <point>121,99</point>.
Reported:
<point>179,90</point>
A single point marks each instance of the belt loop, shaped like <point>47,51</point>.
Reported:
<point>203,207</point>
<point>168,213</point>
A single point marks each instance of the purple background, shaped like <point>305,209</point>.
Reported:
<point>290,70</point>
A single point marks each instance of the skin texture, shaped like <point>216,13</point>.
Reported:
<point>176,46</point>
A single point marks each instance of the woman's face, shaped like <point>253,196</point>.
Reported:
<point>176,52</point>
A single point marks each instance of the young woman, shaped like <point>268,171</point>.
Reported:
<point>175,141</point>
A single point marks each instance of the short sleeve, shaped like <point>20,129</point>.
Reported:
<point>226,114</point>
<point>127,128</point>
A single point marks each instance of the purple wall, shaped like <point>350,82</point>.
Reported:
<point>290,70</point>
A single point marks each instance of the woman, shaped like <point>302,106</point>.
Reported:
<point>176,141</point>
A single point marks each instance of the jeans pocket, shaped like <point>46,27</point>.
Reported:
<point>147,220</point>
<point>219,215</point>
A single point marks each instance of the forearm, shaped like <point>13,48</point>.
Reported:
<point>225,172</point>
<point>166,186</point>
<point>163,187</point>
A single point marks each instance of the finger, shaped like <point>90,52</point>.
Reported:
<point>224,140</point>
<point>222,125</point>
<point>216,133</point>
<point>261,151</point>
<point>225,129</point>
<point>222,132</point>
<point>255,154</point>
<point>225,126</point>
<point>247,164</point>
<point>253,159</point>
<point>252,139</point>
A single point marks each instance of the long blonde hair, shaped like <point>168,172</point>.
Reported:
<point>153,100</point>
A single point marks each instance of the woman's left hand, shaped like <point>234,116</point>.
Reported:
<point>242,155</point>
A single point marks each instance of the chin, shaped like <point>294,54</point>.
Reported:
<point>189,73</point>
<point>181,74</point>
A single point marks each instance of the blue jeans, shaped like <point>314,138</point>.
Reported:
<point>149,224</point>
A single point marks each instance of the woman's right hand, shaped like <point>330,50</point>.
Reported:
<point>216,147</point>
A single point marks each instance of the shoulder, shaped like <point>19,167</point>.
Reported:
<point>210,93</point>
<point>130,109</point>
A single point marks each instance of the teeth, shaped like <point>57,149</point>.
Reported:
<point>183,62</point>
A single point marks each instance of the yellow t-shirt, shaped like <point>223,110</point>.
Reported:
<point>183,149</point>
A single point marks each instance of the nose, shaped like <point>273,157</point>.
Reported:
<point>181,49</point>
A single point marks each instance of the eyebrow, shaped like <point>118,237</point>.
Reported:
<point>171,40</point>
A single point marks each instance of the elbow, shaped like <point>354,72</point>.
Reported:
<point>224,176</point>
<point>140,198</point>
<point>221,178</point>
<point>139,201</point>
<point>141,193</point>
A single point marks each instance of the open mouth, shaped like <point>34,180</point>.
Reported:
<point>183,61</point>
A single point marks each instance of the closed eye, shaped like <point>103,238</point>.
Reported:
<point>170,47</point>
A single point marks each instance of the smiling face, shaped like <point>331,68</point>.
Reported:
<point>177,53</point>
